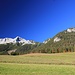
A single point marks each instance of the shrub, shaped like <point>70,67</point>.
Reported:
<point>14,53</point>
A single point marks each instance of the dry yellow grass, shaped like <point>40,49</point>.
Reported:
<point>40,58</point>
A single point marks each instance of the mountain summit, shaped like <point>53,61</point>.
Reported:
<point>15,40</point>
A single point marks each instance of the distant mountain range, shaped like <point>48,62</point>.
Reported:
<point>15,40</point>
<point>62,42</point>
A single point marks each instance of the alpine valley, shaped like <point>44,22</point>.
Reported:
<point>62,42</point>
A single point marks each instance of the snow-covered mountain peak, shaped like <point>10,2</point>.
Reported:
<point>15,40</point>
<point>18,39</point>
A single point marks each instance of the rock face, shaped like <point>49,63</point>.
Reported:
<point>46,41</point>
<point>71,30</point>
<point>15,40</point>
<point>56,39</point>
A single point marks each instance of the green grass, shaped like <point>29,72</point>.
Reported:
<point>36,69</point>
<point>38,64</point>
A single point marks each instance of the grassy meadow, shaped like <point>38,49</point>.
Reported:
<point>38,64</point>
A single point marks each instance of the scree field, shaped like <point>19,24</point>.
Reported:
<point>38,64</point>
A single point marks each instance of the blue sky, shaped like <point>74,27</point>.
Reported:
<point>35,19</point>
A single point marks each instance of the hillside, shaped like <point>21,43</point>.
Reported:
<point>17,48</point>
<point>62,42</point>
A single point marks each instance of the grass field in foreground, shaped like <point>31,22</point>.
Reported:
<point>36,69</point>
<point>38,64</point>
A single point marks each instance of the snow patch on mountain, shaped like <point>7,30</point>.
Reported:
<point>15,40</point>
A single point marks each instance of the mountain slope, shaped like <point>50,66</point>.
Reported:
<point>62,42</point>
<point>27,48</point>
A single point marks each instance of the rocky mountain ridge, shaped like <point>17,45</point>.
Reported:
<point>15,40</point>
